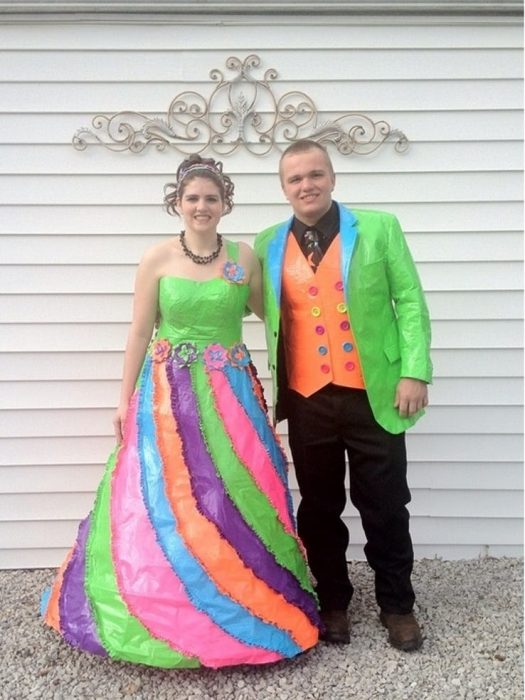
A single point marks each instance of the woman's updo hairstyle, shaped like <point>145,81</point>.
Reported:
<point>188,170</point>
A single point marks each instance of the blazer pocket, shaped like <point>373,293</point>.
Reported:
<point>392,353</point>
<point>391,346</point>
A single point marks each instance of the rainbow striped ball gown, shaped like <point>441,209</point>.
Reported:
<point>190,556</point>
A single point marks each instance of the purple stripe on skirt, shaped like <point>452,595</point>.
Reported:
<point>76,621</point>
<point>215,504</point>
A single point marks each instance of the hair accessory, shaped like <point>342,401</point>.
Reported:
<point>199,166</point>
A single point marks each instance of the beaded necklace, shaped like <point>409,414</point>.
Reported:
<point>200,259</point>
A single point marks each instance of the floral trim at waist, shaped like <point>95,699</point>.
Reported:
<point>184,354</point>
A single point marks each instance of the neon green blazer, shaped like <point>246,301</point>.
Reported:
<point>386,306</point>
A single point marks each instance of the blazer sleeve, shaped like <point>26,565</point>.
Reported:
<point>413,321</point>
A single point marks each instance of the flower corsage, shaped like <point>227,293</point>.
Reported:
<point>233,272</point>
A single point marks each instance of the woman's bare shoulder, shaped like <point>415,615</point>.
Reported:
<point>157,254</point>
<point>245,251</point>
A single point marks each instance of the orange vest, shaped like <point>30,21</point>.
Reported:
<point>318,341</point>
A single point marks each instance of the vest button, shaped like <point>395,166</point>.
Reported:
<point>348,347</point>
<point>316,311</point>
<point>322,349</point>
<point>341,307</point>
<point>339,286</point>
<point>325,369</point>
<point>313,291</point>
<point>349,366</point>
<point>319,330</point>
<point>344,326</point>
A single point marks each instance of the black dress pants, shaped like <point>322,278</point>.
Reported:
<point>323,429</point>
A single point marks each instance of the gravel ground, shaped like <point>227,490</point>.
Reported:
<point>470,611</point>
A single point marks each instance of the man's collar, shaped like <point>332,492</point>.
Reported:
<point>327,226</point>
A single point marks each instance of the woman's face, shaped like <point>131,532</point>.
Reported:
<point>201,205</point>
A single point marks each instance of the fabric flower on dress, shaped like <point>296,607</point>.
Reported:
<point>215,356</point>
<point>239,356</point>
<point>233,272</point>
<point>160,350</point>
<point>184,354</point>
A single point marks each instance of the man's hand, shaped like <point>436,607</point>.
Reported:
<point>411,396</point>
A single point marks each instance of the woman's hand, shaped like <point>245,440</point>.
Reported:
<point>118,423</point>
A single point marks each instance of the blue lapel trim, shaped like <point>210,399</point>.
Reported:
<point>276,249</point>
<point>348,233</point>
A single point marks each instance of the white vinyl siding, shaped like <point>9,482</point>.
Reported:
<point>73,226</point>
<point>210,7</point>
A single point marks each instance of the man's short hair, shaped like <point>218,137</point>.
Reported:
<point>302,146</point>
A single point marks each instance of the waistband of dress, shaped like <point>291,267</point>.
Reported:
<point>185,353</point>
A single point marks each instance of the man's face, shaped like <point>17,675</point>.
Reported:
<point>308,182</point>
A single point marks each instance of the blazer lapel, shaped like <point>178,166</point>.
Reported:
<point>348,233</point>
<point>276,249</point>
<point>277,246</point>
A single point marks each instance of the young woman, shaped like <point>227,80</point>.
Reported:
<point>190,555</point>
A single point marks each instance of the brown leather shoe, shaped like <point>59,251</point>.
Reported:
<point>336,627</point>
<point>403,631</point>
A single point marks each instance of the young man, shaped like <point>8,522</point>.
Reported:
<point>348,338</point>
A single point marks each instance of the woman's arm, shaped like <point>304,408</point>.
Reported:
<point>145,301</point>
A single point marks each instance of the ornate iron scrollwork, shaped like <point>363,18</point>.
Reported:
<point>241,113</point>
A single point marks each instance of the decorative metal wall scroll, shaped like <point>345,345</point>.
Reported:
<point>240,113</point>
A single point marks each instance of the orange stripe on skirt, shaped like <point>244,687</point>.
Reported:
<point>220,560</point>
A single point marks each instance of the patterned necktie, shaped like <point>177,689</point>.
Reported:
<point>313,249</point>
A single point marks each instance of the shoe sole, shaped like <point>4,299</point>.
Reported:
<point>409,646</point>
